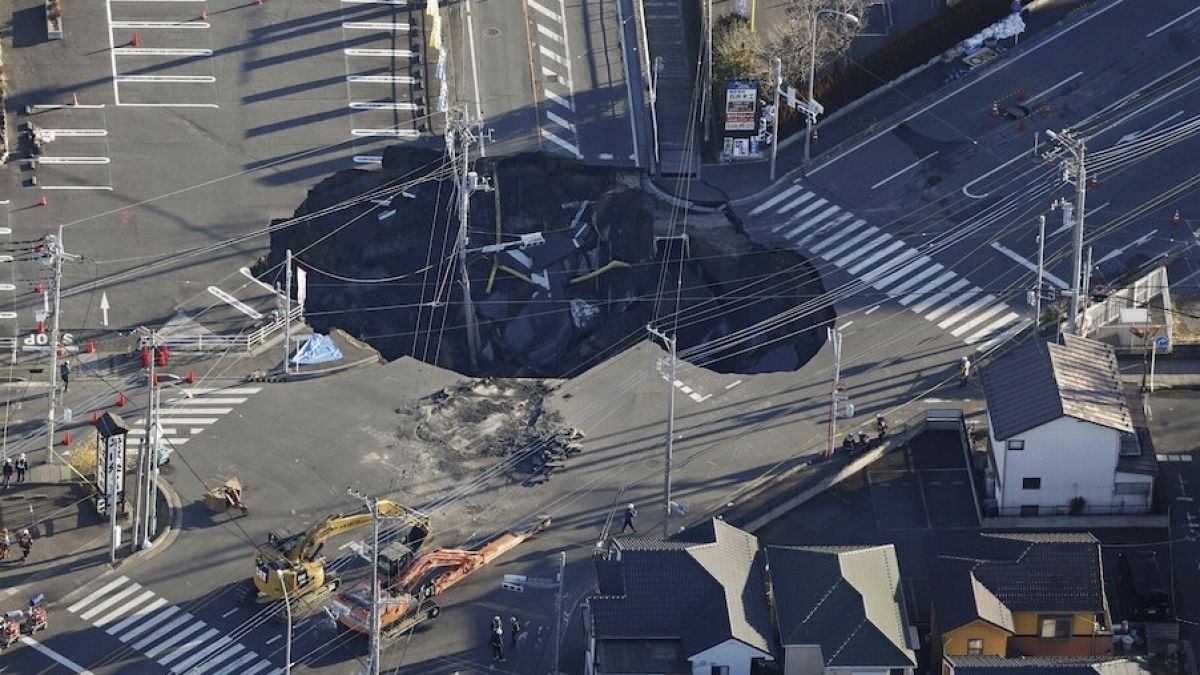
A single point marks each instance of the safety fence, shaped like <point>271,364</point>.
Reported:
<point>218,343</point>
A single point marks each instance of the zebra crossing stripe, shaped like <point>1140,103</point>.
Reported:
<point>233,667</point>
<point>917,278</point>
<point>195,411</point>
<point>1008,332</point>
<point>827,227</point>
<point>553,16</point>
<point>107,618</point>
<point>156,635</point>
<point>967,310</point>
<point>96,594</point>
<point>776,199</point>
<point>978,319</point>
<point>235,391</point>
<point>110,601</point>
<point>954,301</point>
<point>118,629</point>
<point>833,237</point>
<point>813,221</point>
<point>548,33</point>
<point>797,202</point>
<point>188,646</point>
<point>256,667</point>
<point>867,262</point>
<point>216,659</point>
<point>869,231</point>
<point>789,206</point>
<point>992,327</point>
<point>138,616</point>
<point>929,293</point>
<point>183,666</point>
<point>887,267</point>
<point>853,252</point>
<point>918,263</point>
<point>175,638</point>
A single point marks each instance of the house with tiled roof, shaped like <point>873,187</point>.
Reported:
<point>840,609</point>
<point>1021,594</point>
<point>695,603</point>
<point>1062,433</point>
<point>1046,665</point>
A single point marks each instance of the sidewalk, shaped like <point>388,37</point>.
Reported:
<point>890,103</point>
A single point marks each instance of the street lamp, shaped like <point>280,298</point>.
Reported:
<point>287,669</point>
<point>812,74</point>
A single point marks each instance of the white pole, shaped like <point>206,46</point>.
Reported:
<point>654,71</point>
<point>287,668</point>
<point>558,608</point>
<point>1153,354</point>
<point>775,121</point>
<point>114,479</point>
<point>287,312</point>
<point>152,458</point>
<point>812,74</point>
<point>375,587</point>
<point>56,249</point>
<point>670,344</point>
<point>835,338</point>
<point>1037,298</point>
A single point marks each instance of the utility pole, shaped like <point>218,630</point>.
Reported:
<point>775,121</point>
<point>54,255</point>
<point>459,132</point>
<point>708,68</point>
<point>1077,170</point>
<point>670,344</point>
<point>147,448</point>
<point>287,312</point>
<point>287,603</point>
<point>373,506</point>
<point>558,608</point>
<point>835,338</point>
<point>1037,291</point>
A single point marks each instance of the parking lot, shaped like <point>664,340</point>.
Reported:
<point>923,485</point>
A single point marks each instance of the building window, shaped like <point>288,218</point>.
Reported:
<point>1015,444</point>
<point>1031,483</point>
<point>720,670</point>
<point>1055,627</point>
<point>1029,510</point>
<point>975,647</point>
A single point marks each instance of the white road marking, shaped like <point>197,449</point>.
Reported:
<point>784,194</point>
<point>1016,257</point>
<point>87,600</point>
<point>112,52</point>
<point>1172,22</point>
<point>901,172</point>
<point>72,160</point>
<point>110,601</point>
<point>200,656</point>
<point>232,391</point>
<point>992,327</point>
<point>161,51</point>
<point>869,311</point>
<point>560,142</point>
<point>139,615</point>
<point>180,420</point>
<point>929,294</point>
<point>235,303</point>
<point>167,79</point>
<point>384,215</point>
<point>169,105</point>
<point>377,25</point>
<point>733,384</point>
<point>867,262</point>
<point>869,231</point>
<point>60,106</point>
<point>837,235</point>
<point>552,55</point>
<point>206,401</point>
<point>970,309</point>
<point>7,287</point>
<point>160,24</point>
<point>171,625</point>
<point>256,667</point>
<point>1133,136</point>
<point>558,99</point>
<point>800,200</point>
<point>368,159</point>
<point>383,105</point>
<point>1137,242</point>
<point>62,660</point>
<point>544,11</point>
<point>954,301</point>
<point>76,187</point>
<point>389,133</point>
<point>978,319</point>
<point>559,121</point>
<point>245,271</point>
<point>381,79</point>
<point>233,667</point>
<point>171,412</point>
<point>165,641</point>
<point>8,315</point>
<point>377,2</point>
<point>831,226</point>
<point>811,221</point>
<point>1016,328</point>
<point>108,618</point>
<point>72,133</point>
<point>354,51</point>
<point>919,268</point>
<point>1029,102</point>
<point>188,646</point>
<point>213,661</point>
<point>549,33</point>
<point>845,325</point>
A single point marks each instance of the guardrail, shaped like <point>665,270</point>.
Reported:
<point>219,343</point>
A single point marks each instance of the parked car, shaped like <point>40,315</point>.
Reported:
<point>1151,595</point>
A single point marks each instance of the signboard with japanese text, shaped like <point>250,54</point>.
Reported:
<point>741,106</point>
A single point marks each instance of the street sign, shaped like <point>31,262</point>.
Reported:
<point>1161,342</point>
<point>301,286</point>
<point>790,94</point>
<point>110,461</point>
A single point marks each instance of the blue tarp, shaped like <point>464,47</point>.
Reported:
<point>318,349</point>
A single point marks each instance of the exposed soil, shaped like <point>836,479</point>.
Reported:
<point>607,261</point>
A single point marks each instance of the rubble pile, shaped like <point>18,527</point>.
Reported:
<point>565,270</point>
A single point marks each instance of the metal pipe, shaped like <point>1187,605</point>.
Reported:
<point>287,668</point>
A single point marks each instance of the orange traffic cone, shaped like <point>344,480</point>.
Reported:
<point>191,376</point>
<point>95,416</point>
<point>39,288</point>
<point>66,438</point>
<point>204,15</point>
<point>42,201</point>
<point>1093,182</point>
<point>135,40</point>
<point>40,327</point>
<point>120,399</point>
<point>995,110</point>
<point>1176,219</point>
<point>154,379</point>
<point>91,347</point>
<point>74,98</point>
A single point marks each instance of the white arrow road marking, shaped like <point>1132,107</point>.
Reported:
<point>67,663</point>
<point>1138,134</point>
<point>1136,242</point>
<point>1027,265</point>
<point>104,307</point>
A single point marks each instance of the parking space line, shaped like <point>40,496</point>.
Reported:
<point>90,133</point>
<point>72,160</point>
<point>376,2</point>
<point>76,187</point>
<point>169,105</point>
<point>352,51</point>
<point>60,106</point>
<point>381,79</point>
<point>112,52</point>
<point>389,133</point>
<point>377,25</point>
<point>383,105</point>
<point>160,24</point>
<point>168,79</point>
<point>368,159</point>
<point>161,51</point>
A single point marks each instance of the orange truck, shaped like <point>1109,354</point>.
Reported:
<point>409,581</point>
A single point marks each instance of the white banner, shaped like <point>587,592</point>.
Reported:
<point>301,285</point>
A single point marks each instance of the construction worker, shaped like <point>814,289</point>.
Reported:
<point>5,543</point>
<point>514,629</point>
<point>964,371</point>
<point>25,541</point>
<point>497,646</point>
<point>22,467</point>
<point>8,472</point>
<point>64,374</point>
<point>630,514</point>
<point>497,625</point>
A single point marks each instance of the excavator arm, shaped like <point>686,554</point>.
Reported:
<point>305,547</point>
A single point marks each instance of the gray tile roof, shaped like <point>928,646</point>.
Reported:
<point>1046,665</point>
<point>1039,382</point>
<point>642,656</point>
<point>847,599</point>
<point>1019,572</point>
<point>702,586</point>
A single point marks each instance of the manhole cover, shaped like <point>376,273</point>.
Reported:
<point>491,31</point>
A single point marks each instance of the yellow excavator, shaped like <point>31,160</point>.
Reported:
<point>290,565</point>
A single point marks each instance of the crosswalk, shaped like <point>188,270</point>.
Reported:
<point>175,639</point>
<point>188,414</point>
<point>553,55</point>
<point>798,218</point>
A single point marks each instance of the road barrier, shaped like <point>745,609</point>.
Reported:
<point>219,343</point>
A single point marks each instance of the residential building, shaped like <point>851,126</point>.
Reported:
<point>693,604</point>
<point>840,609</point>
<point>1021,594</point>
<point>1062,437</point>
<point>1046,665</point>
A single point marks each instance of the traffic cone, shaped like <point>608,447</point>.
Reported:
<point>1046,111</point>
<point>154,379</point>
<point>66,438</point>
<point>191,376</point>
<point>135,40</point>
<point>145,357</point>
<point>1093,182</point>
<point>120,399</point>
<point>995,110</point>
<point>1022,95</point>
<point>91,347</point>
<point>39,288</point>
<point>40,327</point>
<point>1175,219</point>
<point>62,351</point>
<point>95,416</point>
<point>74,98</point>
<point>204,15</point>
<point>42,201</point>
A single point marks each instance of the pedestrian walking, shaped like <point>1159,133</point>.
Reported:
<point>8,472</point>
<point>25,541</point>
<point>497,625</point>
<point>22,467</point>
<point>64,374</point>
<point>5,543</point>
<point>497,646</point>
<point>514,629</point>
<point>630,514</point>
<point>964,371</point>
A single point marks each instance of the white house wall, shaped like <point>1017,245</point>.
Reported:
<point>732,653</point>
<point>1072,457</point>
